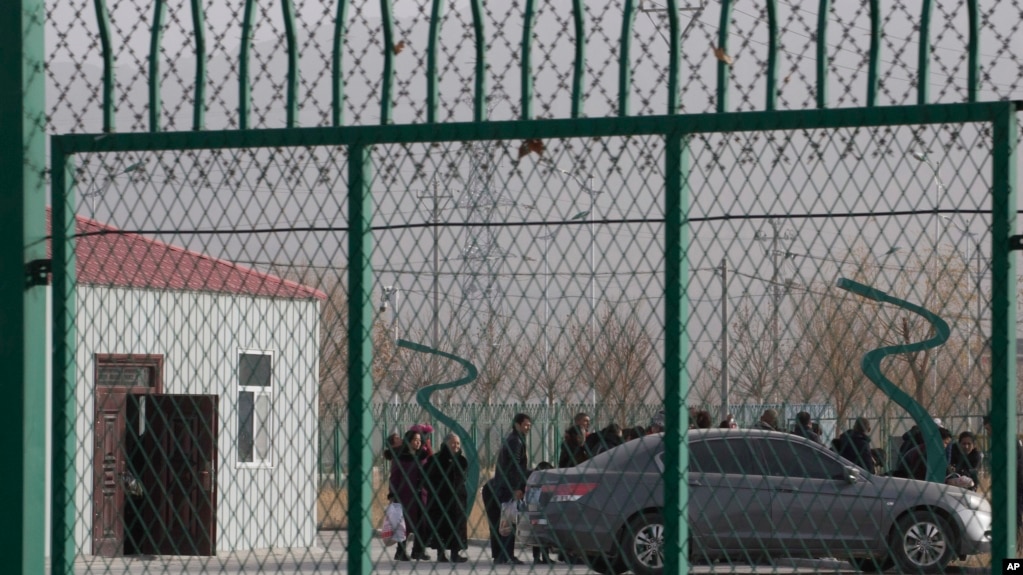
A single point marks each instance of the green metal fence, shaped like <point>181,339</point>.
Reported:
<point>620,345</point>
<point>260,219</point>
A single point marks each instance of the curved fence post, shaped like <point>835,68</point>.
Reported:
<point>244,59</point>
<point>871,365</point>
<point>155,40</point>
<point>288,10</point>
<point>923,72</point>
<point>874,60</point>
<point>337,82</point>
<point>579,64</point>
<point>822,53</point>
<point>199,33</point>
<point>724,30</point>
<point>107,52</point>
<point>624,56</point>
<point>423,399</point>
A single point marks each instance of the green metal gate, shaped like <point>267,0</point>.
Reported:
<point>363,154</point>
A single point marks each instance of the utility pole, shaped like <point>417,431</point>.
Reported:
<point>436,196</point>
<point>724,339</point>
<point>776,235</point>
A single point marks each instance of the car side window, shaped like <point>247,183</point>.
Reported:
<point>795,459</point>
<point>731,456</point>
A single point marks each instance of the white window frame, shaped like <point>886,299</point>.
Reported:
<point>265,393</point>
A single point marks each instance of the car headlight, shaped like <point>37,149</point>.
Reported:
<point>974,501</point>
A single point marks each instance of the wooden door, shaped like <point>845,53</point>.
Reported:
<point>176,459</point>
<point>116,378</point>
<point>109,465</point>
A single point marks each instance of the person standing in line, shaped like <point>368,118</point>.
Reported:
<point>424,430</point>
<point>408,484</point>
<point>392,446</point>
<point>582,421</point>
<point>768,421</point>
<point>915,462</point>
<point>572,450</point>
<point>570,453</point>
<point>703,420</point>
<point>657,423</point>
<point>966,458</point>
<point>446,509</point>
<point>508,484</point>
<point>854,445</point>
<point>804,428</point>
<point>541,555</point>
<point>607,438</point>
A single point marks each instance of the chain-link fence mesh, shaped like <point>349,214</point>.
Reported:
<point>211,325</point>
<point>213,349</point>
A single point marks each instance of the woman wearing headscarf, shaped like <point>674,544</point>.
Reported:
<point>446,511</point>
<point>408,484</point>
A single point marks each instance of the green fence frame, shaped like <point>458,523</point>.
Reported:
<point>675,130</point>
<point>23,348</point>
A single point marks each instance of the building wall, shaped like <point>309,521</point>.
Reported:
<point>200,336</point>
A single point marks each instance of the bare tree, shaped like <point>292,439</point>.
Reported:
<point>549,378</point>
<point>618,361</point>
<point>836,329</point>
<point>490,353</point>
<point>421,369</point>
<point>751,363</point>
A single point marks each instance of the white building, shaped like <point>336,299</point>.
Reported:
<point>196,386</point>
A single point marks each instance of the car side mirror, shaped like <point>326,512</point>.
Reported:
<point>851,475</point>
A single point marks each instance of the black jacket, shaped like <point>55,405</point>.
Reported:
<point>601,441</point>
<point>855,446</point>
<point>571,455</point>
<point>512,467</point>
<point>807,433</point>
<point>446,510</point>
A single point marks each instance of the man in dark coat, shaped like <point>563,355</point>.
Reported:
<point>915,460</point>
<point>571,452</point>
<point>854,445</point>
<point>768,421</point>
<point>508,484</point>
<point>572,448</point>
<point>804,427</point>
<point>446,510</point>
<point>605,439</point>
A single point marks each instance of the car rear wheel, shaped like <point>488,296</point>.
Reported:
<point>643,545</point>
<point>872,564</point>
<point>922,542</point>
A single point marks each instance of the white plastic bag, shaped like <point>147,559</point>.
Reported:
<point>392,528</point>
<point>524,529</point>
<point>509,517</point>
<point>958,480</point>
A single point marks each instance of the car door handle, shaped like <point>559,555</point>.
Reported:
<point>695,484</point>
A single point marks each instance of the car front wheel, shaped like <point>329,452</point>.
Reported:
<point>643,545</point>
<point>922,542</point>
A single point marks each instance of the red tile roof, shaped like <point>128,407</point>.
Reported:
<point>108,256</point>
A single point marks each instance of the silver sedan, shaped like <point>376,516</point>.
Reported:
<point>753,495</point>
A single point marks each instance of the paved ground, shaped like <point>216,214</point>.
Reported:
<point>330,557</point>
